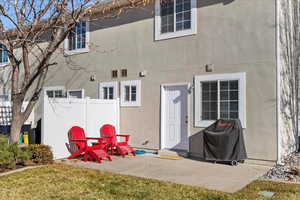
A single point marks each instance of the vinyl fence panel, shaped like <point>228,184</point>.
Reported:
<point>60,114</point>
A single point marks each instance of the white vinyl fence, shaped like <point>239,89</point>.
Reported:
<point>60,114</point>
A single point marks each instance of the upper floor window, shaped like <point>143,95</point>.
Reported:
<point>3,55</point>
<point>175,18</point>
<point>220,96</point>
<point>77,41</point>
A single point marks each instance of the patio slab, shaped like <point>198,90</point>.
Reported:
<point>220,177</point>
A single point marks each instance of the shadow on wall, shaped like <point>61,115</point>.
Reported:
<point>138,14</point>
<point>128,16</point>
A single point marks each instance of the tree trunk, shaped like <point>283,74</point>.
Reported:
<point>17,119</point>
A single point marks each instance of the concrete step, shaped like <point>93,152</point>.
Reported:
<point>171,152</point>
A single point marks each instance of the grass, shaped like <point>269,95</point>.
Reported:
<point>67,182</point>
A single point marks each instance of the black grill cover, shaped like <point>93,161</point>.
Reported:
<point>224,141</point>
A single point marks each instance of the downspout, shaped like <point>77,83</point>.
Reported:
<point>278,83</point>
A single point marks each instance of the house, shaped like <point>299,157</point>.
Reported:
<point>179,65</point>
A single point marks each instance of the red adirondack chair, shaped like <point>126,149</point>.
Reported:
<point>108,133</point>
<point>78,145</point>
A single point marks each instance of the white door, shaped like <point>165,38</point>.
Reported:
<point>175,118</point>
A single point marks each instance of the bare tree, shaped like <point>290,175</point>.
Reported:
<point>31,31</point>
<point>289,32</point>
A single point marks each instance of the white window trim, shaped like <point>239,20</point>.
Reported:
<point>241,77</point>
<point>192,31</point>
<point>75,90</point>
<point>136,103</point>
<point>2,64</point>
<point>113,84</point>
<point>51,88</point>
<point>68,52</point>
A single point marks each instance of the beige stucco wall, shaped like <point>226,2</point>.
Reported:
<point>234,36</point>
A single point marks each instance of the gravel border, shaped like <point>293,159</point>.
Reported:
<point>289,172</point>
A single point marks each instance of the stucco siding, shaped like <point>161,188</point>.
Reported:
<point>233,36</point>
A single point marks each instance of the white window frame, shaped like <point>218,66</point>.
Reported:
<point>240,77</point>
<point>75,90</point>
<point>136,103</point>
<point>113,84</point>
<point>68,52</point>
<point>53,88</point>
<point>191,31</point>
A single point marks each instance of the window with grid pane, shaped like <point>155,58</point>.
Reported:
<point>3,55</point>
<point>55,93</point>
<point>220,100</point>
<point>131,93</point>
<point>220,96</point>
<point>77,37</point>
<point>177,19</point>
<point>229,99</point>
<point>108,92</point>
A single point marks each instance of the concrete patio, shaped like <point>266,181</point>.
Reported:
<point>186,171</point>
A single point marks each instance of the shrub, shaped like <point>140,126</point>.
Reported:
<point>41,154</point>
<point>12,155</point>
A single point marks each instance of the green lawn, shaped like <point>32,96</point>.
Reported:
<point>66,182</point>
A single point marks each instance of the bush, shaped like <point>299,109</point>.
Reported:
<point>41,154</point>
<point>12,155</point>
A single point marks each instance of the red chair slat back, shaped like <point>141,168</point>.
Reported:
<point>108,133</point>
<point>77,132</point>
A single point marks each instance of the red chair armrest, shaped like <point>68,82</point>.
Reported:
<point>125,136</point>
<point>93,138</point>
<point>79,140</point>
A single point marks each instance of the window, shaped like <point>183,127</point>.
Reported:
<point>175,18</point>
<point>4,97</point>
<point>108,90</point>
<point>114,73</point>
<point>220,96</point>
<point>77,41</point>
<point>124,72</point>
<point>55,92</point>
<point>131,93</point>
<point>79,94</point>
<point>3,55</point>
